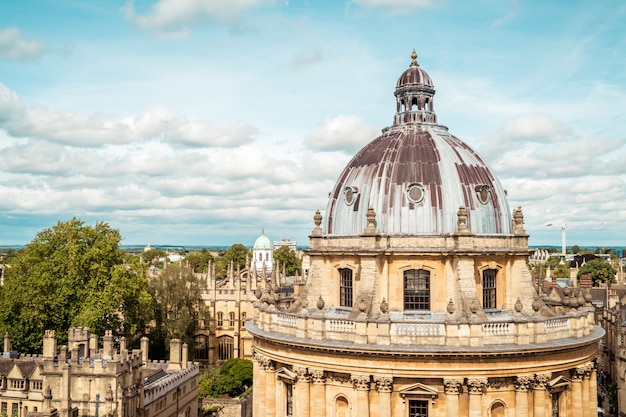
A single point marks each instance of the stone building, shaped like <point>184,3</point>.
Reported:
<point>83,379</point>
<point>418,299</point>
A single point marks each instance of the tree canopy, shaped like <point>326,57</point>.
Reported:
<point>72,275</point>
<point>178,306</point>
<point>232,378</point>
<point>601,271</point>
<point>285,257</point>
<point>199,260</point>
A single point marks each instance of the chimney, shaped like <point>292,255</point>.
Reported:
<point>49,344</point>
<point>184,359</point>
<point>174,363</point>
<point>7,342</point>
<point>93,345</point>
<point>145,343</point>
<point>107,345</point>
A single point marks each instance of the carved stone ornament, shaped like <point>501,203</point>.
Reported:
<point>477,385</point>
<point>362,305</point>
<point>518,221</point>
<point>384,306</point>
<point>451,308</point>
<point>453,385</point>
<point>519,306</point>
<point>320,303</point>
<point>384,383</point>
<point>317,219</point>
<point>304,302</point>
<point>361,382</point>
<point>318,376</point>
<point>522,383</point>
<point>303,374</point>
<point>462,220</point>
<point>541,380</point>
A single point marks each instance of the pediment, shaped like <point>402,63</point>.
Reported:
<point>419,391</point>
<point>15,372</point>
<point>286,375</point>
<point>559,383</point>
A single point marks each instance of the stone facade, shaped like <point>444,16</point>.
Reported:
<point>426,323</point>
<point>85,379</point>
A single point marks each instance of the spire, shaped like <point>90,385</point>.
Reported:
<point>414,58</point>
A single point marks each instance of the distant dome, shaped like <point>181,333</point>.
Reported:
<point>416,175</point>
<point>262,242</point>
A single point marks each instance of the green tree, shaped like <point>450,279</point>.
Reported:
<point>285,257</point>
<point>238,254</point>
<point>152,256</point>
<point>575,249</point>
<point>601,271</point>
<point>232,378</point>
<point>178,307</point>
<point>72,275</point>
<point>199,260</point>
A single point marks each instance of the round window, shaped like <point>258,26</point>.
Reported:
<point>415,193</point>
<point>349,194</point>
<point>483,193</point>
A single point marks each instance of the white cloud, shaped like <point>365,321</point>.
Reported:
<point>173,18</point>
<point>395,6</point>
<point>98,129</point>
<point>343,133</point>
<point>13,45</point>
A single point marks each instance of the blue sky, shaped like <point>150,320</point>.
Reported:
<point>198,122</point>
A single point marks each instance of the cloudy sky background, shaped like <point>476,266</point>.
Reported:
<point>200,122</point>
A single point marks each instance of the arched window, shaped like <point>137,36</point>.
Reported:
<point>342,408</point>
<point>489,288</point>
<point>414,104</point>
<point>497,410</point>
<point>202,347</point>
<point>345,287</point>
<point>231,319</point>
<point>220,319</point>
<point>417,289</point>
<point>243,318</point>
<point>225,348</point>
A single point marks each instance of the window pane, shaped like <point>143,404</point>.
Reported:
<point>489,288</point>
<point>345,287</point>
<point>418,408</point>
<point>417,289</point>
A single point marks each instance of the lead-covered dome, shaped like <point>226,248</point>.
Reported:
<point>416,176</point>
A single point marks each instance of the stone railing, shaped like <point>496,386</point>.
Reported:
<point>514,330</point>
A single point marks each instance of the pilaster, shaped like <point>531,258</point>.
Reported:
<point>452,387</point>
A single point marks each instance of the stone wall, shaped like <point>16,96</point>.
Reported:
<point>229,407</point>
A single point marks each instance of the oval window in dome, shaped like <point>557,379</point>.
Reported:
<point>482,191</point>
<point>415,193</point>
<point>349,194</point>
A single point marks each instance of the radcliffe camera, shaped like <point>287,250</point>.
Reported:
<point>360,208</point>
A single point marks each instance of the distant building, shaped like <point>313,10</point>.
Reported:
<point>291,244</point>
<point>87,380</point>
<point>263,254</point>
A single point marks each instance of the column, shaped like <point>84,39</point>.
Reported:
<point>577,396</point>
<point>593,388</point>
<point>452,387</point>
<point>476,387</point>
<point>362,386</point>
<point>586,373</point>
<point>384,384</point>
<point>539,393</point>
<point>302,398</point>
<point>522,383</point>
<point>258,404</point>
<point>270,387</point>
<point>318,393</point>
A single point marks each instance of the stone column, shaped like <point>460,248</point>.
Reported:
<point>539,393</point>
<point>593,388</point>
<point>586,387</point>
<point>362,386</point>
<point>577,395</point>
<point>522,383</point>
<point>258,405</point>
<point>384,385</point>
<point>318,393</point>
<point>476,386</point>
<point>452,387</point>
<point>302,398</point>
<point>270,387</point>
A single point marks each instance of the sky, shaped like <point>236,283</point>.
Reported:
<point>204,122</point>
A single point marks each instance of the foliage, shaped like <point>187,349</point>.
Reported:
<point>178,306</point>
<point>234,377</point>
<point>575,249</point>
<point>151,256</point>
<point>562,270</point>
<point>285,257</point>
<point>601,271</point>
<point>238,254</point>
<point>72,275</point>
<point>199,260</point>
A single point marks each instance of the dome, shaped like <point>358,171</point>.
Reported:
<point>416,176</point>
<point>262,242</point>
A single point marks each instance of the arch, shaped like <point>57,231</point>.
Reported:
<point>414,104</point>
<point>497,409</point>
<point>225,348</point>
<point>342,406</point>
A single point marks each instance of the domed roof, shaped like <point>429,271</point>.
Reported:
<point>262,242</point>
<point>416,176</point>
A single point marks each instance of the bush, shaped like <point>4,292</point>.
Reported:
<point>233,378</point>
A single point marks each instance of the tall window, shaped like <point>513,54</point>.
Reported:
<point>555,404</point>
<point>220,319</point>
<point>289,400</point>
<point>418,408</point>
<point>489,288</point>
<point>231,319</point>
<point>345,287</point>
<point>417,289</point>
<point>225,348</point>
<point>202,347</point>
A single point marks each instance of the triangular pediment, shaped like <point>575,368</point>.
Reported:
<point>15,372</point>
<point>287,375</point>
<point>36,374</point>
<point>419,390</point>
<point>559,383</point>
